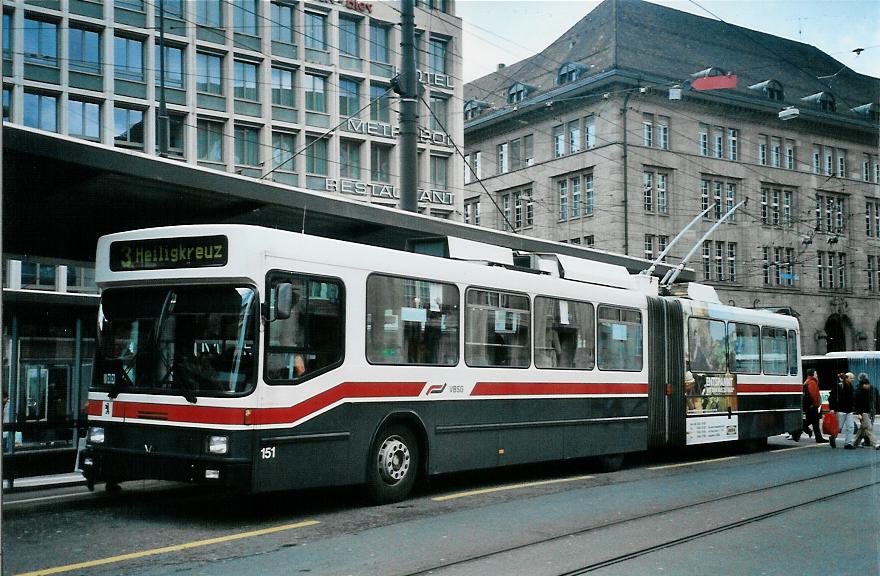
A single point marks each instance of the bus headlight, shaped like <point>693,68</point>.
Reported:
<point>218,444</point>
<point>96,435</point>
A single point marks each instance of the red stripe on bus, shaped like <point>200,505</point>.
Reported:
<point>335,394</point>
<point>232,416</point>
<point>791,388</point>
<point>548,388</point>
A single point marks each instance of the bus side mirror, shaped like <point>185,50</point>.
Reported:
<point>283,300</point>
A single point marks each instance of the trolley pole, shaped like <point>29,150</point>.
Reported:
<point>408,89</point>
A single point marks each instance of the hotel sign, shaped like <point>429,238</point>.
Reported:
<point>358,188</point>
<point>362,7</point>
<point>373,128</point>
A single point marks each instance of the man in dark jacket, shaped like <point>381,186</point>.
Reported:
<point>841,401</point>
<point>865,405</point>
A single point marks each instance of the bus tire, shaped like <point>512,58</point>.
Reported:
<point>393,464</point>
<point>610,462</point>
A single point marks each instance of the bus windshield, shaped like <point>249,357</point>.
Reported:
<point>187,340</point>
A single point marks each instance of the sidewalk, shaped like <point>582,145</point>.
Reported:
<point>40,482</point>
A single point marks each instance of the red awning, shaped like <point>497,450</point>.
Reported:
<point>714,83</point>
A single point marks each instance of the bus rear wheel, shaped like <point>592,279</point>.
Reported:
<point>393,465</point>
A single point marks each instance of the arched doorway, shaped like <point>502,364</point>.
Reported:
<point>835,331</point>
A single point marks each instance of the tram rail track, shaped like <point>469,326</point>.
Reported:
<point>656,514</point>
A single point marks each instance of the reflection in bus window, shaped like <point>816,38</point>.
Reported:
<point>563,334</point>
<point>411,321</point>
<point>497,329</point>
<point>311,339</point>
<point>707,345</point>
<point>744,341</point>
<point>620,338</point>
<point>774,350</point>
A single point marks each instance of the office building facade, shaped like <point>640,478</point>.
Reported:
<point>640,117</point>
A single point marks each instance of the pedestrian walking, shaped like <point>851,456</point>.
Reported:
<point>812,403</point>
<point>866,404</point>
<point>841,401</point>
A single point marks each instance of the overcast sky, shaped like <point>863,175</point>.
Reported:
<point>508,31</point>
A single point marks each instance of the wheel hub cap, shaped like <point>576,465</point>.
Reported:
<point>394,460</point>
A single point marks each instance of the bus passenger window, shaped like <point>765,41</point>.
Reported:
<point>497,329</point>
<point>744,343</point>
<point>411,321</point>
<point>564,334</point>
<point>620,338</point>
<point>311,339</point>
<point>707,344</point>
<point>774,350</point>
<point>793,348</point>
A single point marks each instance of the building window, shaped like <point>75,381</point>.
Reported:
<point>380,110</point>
<point>282,23</point>
<point>244,16</point>
<point>574,136</point>
<point>718,142</point>
<point>209,141</point>
<point>662,127</point>
<point>704,140</point>
<point>648,130</point>
<point>472,212</point>
<point>517,93</point>
<point>872,218</point>
<point>589,195</point>
<point>719,194</point>
<point>379,43</point>
<point>315,31</point>
<point>85,50</point>
<point>136,5</point>
<point>176,134</point>
<point>210,13</point>
<point>649,247</point>
<point>41,111</point>
<point>128,127</point>
<point>350,159</point>
<point>776,152</point>
<point>437,55</point>
<point>128,54</point>
<point>40,42</point>
<point>789,154</point>
<point>576,197</point>
<point>568,73</point>
<point>348,37</point>
<point>316,155</point>
<point>245,81</point>
<point>762,149</point>
<point>84,119</point>
<point>502,166</point>
<point>656,193</point>
<point>732,144</point>
<point>841,163</point>
<point>590,131</point>
<point>776,206</point>
<point>832,269</point>
<point>719,261</point>
<point>873,273</point>
<point>282,87</point>
<point>380,163</point>
<point>173,67</point>
<point>247,146</point>
<point>817,160</point>
<point>316,97</point>
<point>439,113</point>
<point>209,73</point>
<point>649,191</point>
<point>829,213</point>
<point>7,36</point>
<point>282,151</point>
<point>558,141</point>
<point>7,111</point>
<point>439,171</point>
<point>562,186</point>
<point>349,97</point>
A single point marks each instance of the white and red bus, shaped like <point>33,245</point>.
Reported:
<point>270,360</point>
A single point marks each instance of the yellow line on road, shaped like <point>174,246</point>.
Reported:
<point>167,549</point>
<point>693,463</point>
<point>798,448</point>
<point>507,487</point>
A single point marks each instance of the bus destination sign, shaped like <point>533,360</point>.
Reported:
<point>158,253</point>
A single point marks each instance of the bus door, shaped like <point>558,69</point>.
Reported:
<point>666,396</point>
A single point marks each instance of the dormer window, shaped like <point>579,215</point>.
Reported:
<point>569,73</point>
<point>823,101</point>
<point>473,108</point>
<point>771,89</point>
<point>517,93</point>
<point>868,111</point>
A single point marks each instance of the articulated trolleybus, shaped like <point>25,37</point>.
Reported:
<point>269,360</point>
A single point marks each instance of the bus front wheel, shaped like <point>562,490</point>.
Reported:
<point>393,465</point>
